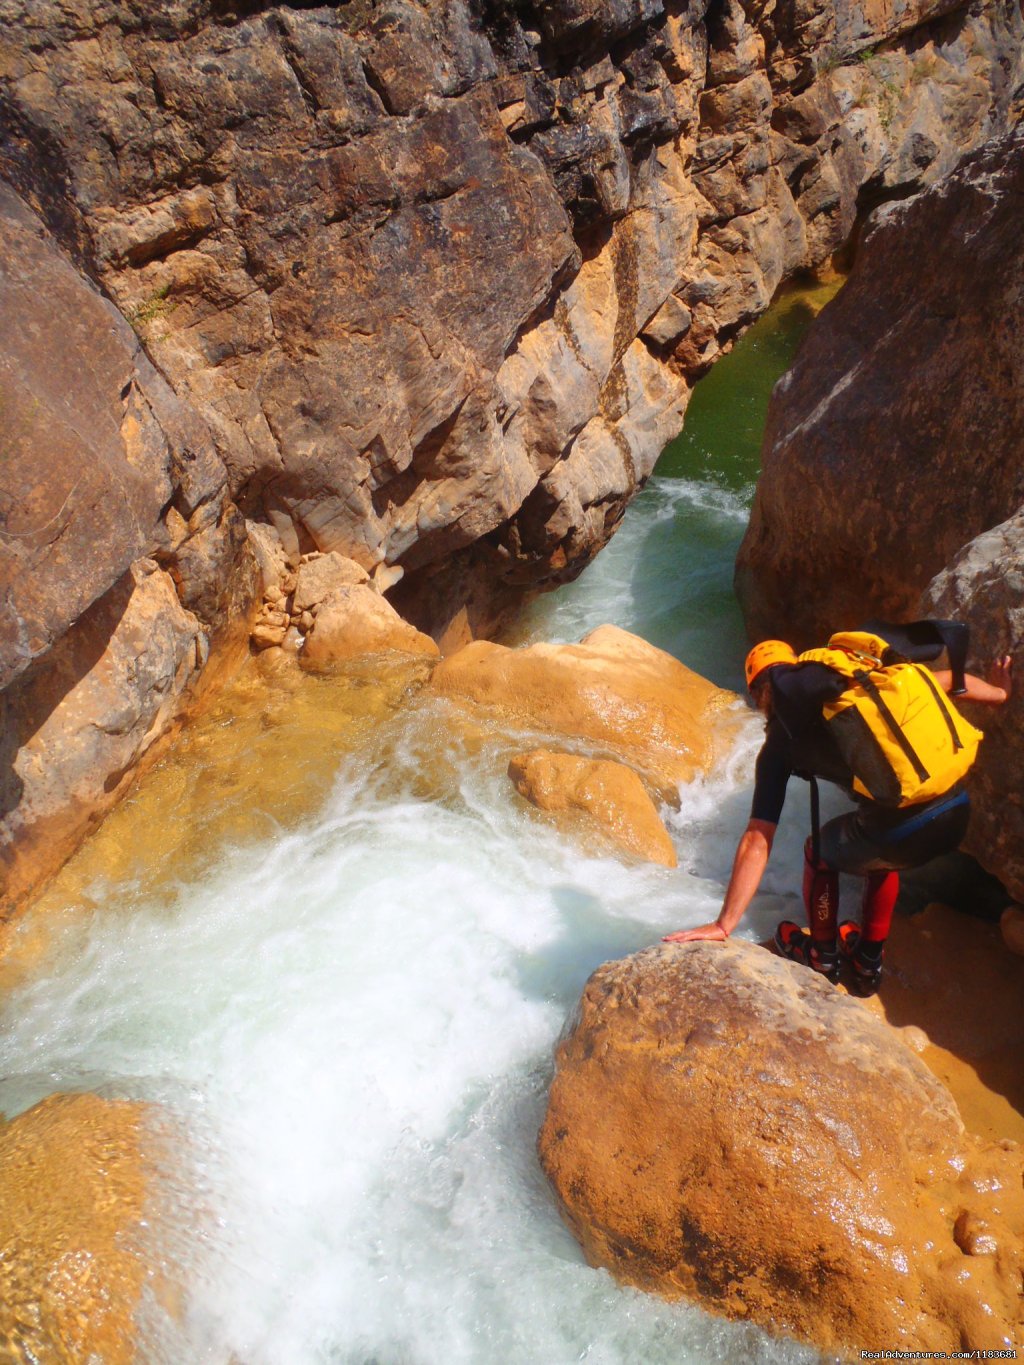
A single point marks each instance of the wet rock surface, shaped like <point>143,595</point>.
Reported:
<point>950,978</point>
<point>75,1185</point>
<point>613,693</point>
<point>727,1126</point>
<point>610,797</point>
<point>890,487</point>
<point>354,621</point>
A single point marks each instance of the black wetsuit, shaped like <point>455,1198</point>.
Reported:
<point>871,838</point>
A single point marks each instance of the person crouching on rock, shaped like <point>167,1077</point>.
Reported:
<point>796,694</point>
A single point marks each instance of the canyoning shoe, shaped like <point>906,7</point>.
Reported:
<point>795,943</point>
<point>866,972</point>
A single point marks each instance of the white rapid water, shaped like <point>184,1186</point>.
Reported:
<point>355,1021</point>
<point>344,973</point>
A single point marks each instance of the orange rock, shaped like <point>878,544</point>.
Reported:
<point>320,575</point>
<point>939,965</point>
<point>612,690</point>
<point>356,620</point>
<point>611,795</point>
<point>73,1186</point>
<point>727,1126</point>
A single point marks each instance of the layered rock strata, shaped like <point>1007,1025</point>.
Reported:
<point>439,276</point>
<point>892,482</point>
<point>124,564</point>
<point>431,284</point>
<point>726,1126</point>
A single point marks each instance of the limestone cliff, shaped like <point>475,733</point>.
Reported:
<point>439,275</point>
<point>432,281</point>
<point>122,559</point>
<point>892,479</point>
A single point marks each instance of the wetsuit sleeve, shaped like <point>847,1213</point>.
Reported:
<point>771,777</point>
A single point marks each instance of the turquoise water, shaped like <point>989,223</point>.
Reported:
<point>667,574</point>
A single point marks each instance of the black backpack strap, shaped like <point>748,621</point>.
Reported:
<point>910,753</point>
<point>957,639</point>
<point>923,641</point>
<point>941,704</point>
<point>815,820</point>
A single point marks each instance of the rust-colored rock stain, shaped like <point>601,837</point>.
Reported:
<point>73,1191</point>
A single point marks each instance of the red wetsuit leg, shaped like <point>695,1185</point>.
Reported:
<point>880,892</point>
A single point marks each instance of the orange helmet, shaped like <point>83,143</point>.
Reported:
<point>764,655</point>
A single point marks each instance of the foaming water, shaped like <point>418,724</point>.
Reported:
<point>327,936</point>
<point>356,1020</point>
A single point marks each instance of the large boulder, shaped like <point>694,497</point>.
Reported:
<point>612,692</point>
<point>75,1194</point>
<point>889,442</point>
<point>609,797</point>
<point>730,1127</point>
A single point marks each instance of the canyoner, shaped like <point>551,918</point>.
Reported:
<point>867,713</point>
<point>904,742</point>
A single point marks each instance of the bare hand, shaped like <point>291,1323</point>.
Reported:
<point>1001,674</point>
<point>713,932</point>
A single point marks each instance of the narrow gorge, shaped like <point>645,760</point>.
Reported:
<point>424,285</point>
<point>365,686</point>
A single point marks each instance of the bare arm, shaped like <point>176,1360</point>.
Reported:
<point>747,870</point>
<point>992,693</point>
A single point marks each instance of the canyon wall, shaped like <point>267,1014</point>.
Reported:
<point>123,561</point>
<point>424,284</point>
<point>893,461</point>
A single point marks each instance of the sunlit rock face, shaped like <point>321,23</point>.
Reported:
<point>102,464</point>
<point>727,1126</point>
<point>355,621</point>
<point>612,694</point>
<point>77,1189</point>
<point>891,483</point>
<point>439,277</point>
<point>124,563</point>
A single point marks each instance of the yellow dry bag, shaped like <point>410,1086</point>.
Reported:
<point>903,738</point>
